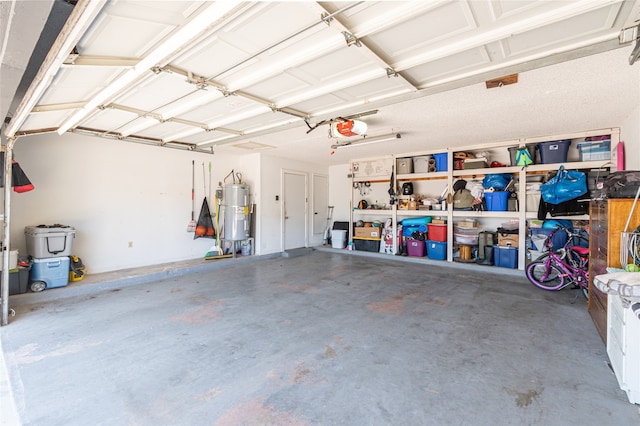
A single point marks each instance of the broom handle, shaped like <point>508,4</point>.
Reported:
<point>633,207</point>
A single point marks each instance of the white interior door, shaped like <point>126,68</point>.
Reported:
<point>295,210</point>
<point>320,203</point>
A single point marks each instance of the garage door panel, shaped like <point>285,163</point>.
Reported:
<point>156,92</point>
<point>562,33</point>
<point>78,84</point>
<point>449,66</point>
<point>109,119</point>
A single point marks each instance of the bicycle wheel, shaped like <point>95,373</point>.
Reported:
<point>585,292</point>
<point>545,275</point>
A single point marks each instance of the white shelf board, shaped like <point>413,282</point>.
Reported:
<point>416,176</point>
<point>419,213</point>
<point>487,170</point>
<point>470,213</point>
<point>372,212</point>
<point>569,165</point>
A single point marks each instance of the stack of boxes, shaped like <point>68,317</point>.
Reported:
<point>49,247</point>
<point>506,252</point>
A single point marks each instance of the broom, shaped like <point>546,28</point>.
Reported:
<point>192,224</point>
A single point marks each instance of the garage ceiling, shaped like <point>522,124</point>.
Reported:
<point>202,75</point>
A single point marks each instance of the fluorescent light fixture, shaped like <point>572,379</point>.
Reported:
<point>367,141</point>
<point>272,125</point>
<point>270,69</point>
<point>203,21</point>
<point>352,80</point>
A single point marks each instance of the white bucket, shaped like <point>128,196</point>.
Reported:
<point>338,238</point>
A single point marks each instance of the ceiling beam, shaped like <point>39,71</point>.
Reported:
<point>75,60</point>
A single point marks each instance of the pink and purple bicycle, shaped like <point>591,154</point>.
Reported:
<point>568,266</point>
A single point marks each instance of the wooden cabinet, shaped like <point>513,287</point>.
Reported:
<point>607,221</point>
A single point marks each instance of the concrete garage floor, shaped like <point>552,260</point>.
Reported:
<point>319,339</point>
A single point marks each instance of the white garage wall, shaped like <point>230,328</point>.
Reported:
<point>630,134</point>
<point>270,210</point>
<point>133,194</point>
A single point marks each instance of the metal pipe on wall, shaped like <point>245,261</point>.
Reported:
<point>6,238</point>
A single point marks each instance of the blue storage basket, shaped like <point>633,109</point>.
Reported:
<point>505,257</point>
<point>441,162</point>
<point>436,250</point>
<point>497,201</point>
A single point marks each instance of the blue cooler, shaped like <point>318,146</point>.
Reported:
<point>52,272</point>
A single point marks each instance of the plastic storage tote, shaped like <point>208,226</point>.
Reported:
<point>595,151</point>
<point>338,238</point>
<point>531,147</point>
<point>441,162</point>
<point>49,273</point>
<point>554,151</point>
<point>415,248</point>
<point>497,201</point>
<point>436,250</point>
<point>49,241</point>
<point>505,257</point>
<point>404,166</point>
<point>559,238</point>
<point>437,232</point>
<point>421,164</point>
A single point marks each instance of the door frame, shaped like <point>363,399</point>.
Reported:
<point>313,199</point>
<point>284,172</point>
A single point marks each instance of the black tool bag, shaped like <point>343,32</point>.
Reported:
<point>623,184</point>
<point>576,207</point>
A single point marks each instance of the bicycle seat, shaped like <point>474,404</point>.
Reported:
<point>581,250</point>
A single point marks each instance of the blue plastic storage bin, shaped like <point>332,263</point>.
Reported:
<point>53,271</point>
<point>554,151</point>
<point>441,162</point>
<point>559,238</point>
<point>595,151</point>
<point>505,257</point>
<point>497,201</point>
<point>436,250</point>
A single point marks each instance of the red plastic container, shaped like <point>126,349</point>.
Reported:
<point>415,248</point>
<point>437,232</point>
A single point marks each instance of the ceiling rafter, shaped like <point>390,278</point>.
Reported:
<point>141,139</point>
<point>142,114</point>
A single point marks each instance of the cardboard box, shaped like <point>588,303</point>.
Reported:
<point>506,240</point>
<point>439,221</point>
<point>466,224</point>
<point>366,232</point>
